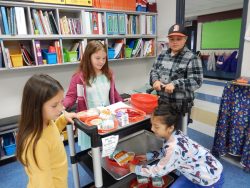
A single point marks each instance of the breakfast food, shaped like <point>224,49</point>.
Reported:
<point>105,114</point>
<point>157,181</point>
<point>142,179</point>
<point>83,115</point>
<point>107,124</point>
<point>122,157</point>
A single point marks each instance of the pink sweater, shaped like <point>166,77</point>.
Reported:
<point>77,92</point>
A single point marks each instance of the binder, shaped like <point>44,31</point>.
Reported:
<point>38,52</point>
<point>1,24</point>
<point>115,24</point>
<point>109,23</point>
<point>143,24</point>
<point>53,23</point>
<point>87,22</point>
<point>122,24</point>
<point>153,25</point>
<point>100,23</point>
<point>5,21</point>
<point>12,21</point>
<point>20,21</point>
<point>9,19</point>
<point>95,23</point>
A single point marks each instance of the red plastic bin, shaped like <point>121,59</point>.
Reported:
<point>145,102</point>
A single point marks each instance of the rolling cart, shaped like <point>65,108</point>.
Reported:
<point>134,137</point>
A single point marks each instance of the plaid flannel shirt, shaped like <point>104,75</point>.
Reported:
<point>184,70</point>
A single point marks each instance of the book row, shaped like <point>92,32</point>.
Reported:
<point>23,53</point>
<point>16,21</point>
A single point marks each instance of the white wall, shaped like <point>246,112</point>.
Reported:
<point>245,67</point>
<point>166,17</point>
<point>129,74</point>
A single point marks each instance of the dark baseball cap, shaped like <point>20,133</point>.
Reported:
<point>177,30</point>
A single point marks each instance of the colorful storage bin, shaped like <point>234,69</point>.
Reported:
<point>111,53</point>
<point>69,56</point>
<point>128,52</point>
<point>10,149</point>
<point>9,144</point>
<point>141,8</point>
<point>51,58</point>
<point>17,60</point>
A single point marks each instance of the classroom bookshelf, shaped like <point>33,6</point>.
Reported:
<point>35,35</point>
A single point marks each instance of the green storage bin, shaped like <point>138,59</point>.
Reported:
<point>128,52</point>
<point>69,56</point>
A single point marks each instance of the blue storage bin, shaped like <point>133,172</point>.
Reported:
<point>111,53</point>
<point>140,8</point>
<point>9,145</point>
<point>51,58</point>
<point>10,149</point>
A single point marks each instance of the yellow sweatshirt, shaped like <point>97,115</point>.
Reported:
<point>51,158</point>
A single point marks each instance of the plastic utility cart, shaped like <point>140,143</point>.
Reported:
<point>134,137</point>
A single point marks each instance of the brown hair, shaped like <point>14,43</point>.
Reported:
<point>85,65</point>
<point>37,90</point>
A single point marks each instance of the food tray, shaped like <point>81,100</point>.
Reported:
<point>101,131</point>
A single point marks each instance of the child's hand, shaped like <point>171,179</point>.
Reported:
<point>157,85</point>
<point>169,88</point>
<point>141,158</point>
<point>131,167</point>
<point>69,116</point>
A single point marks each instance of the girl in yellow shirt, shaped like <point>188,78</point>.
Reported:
<point>39,145</point>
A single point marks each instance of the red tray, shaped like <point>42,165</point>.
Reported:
<point>101,131</point>
<point>114,163</point>
<point>134,115</point>
<point>83,115</point>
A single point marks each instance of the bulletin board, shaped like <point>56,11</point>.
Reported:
<point>221,34</point>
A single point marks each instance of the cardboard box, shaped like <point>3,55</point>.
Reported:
<point>128,5</point>
<point>79,2</point>
<point>50,1</point>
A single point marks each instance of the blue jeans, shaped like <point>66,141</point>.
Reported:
<point>182,181</point>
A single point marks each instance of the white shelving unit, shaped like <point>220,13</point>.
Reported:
<point>12,42</point>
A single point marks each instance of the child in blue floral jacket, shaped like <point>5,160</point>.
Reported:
<point>198,167</point>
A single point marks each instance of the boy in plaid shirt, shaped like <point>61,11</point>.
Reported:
<point>177,72</point>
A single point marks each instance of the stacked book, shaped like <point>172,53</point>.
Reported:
<point>44,22</point>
